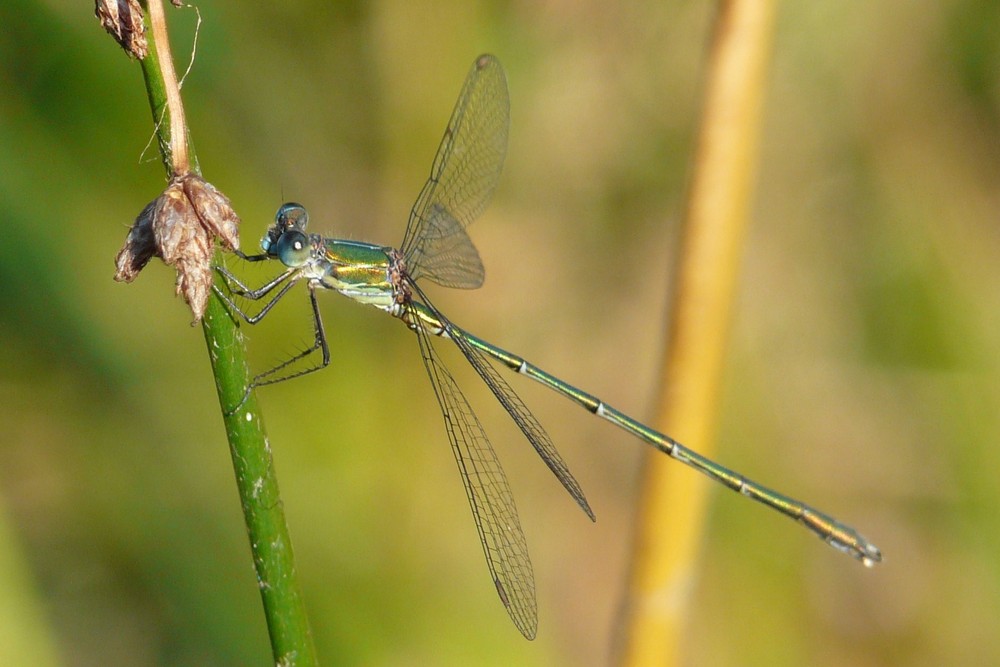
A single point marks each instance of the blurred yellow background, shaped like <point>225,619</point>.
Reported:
<point>863,366</point>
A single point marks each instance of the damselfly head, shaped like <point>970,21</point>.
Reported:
<point>290,217</point>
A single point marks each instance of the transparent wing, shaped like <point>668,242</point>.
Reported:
<point>463,177</point>
<point>522,416</point>
<point>489,494</point>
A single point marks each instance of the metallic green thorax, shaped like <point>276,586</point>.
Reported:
<point>357,270</point>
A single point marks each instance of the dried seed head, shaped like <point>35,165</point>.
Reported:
<point>139,246</point>
<point>180,226</point>
<point>194,271</point>
<point>174,223</point>
<point>123,21</point>
<point>214,210</point>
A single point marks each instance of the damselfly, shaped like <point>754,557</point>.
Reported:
<point>436,248</point>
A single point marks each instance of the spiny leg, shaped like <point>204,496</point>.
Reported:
<point>243,290</point>
<point>262,257</point>
<point>254,319</point>
<point>274,376</point>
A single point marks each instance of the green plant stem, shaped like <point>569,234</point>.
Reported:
<point>274,563</point>
<point>288,625</point>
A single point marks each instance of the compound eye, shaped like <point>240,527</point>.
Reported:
<point>293,248</point>
<point>291,216</point>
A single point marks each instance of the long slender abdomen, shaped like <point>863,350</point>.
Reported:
<point>838,535</point>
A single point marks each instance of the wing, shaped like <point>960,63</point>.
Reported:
<point>463,177</point>
<point>488,491</point>
<point>522,416</point>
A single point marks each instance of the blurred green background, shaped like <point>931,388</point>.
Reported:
<point>864,364</point>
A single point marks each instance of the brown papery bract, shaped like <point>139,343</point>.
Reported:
<point>180,227</point>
